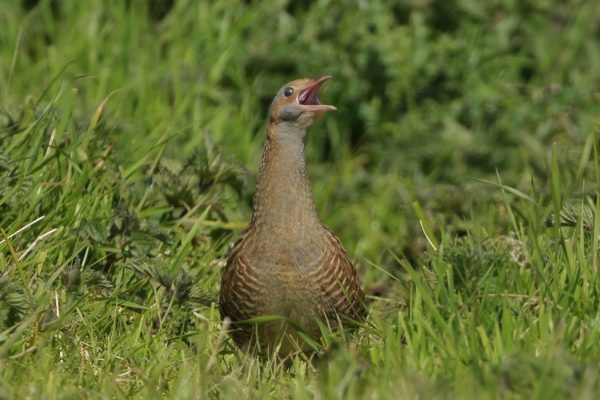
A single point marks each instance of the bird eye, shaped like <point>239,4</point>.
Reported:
<point>288,91</point>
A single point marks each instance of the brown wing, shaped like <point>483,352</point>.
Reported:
<point>339,282</point>
<point>237,299</point>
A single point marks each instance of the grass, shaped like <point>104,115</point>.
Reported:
<point>461,172</point>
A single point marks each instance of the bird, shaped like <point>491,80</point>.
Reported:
<point>287,264</point>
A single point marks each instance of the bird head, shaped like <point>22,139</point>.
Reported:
<point>297,103</point>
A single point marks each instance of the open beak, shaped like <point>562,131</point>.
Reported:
<point>307,96</point>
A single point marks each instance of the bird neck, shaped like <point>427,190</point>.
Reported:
<point>283,199</point>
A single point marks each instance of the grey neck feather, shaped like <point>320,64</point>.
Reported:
<point>283,201</point>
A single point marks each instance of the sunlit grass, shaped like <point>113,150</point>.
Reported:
<point>461,172</point>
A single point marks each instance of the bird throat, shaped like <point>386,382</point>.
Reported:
<point>283,202</point>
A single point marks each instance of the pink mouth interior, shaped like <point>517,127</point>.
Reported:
<point>308,97</point>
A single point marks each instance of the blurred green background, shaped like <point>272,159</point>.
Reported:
<point>136,128</point>
<point>431,94</point>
